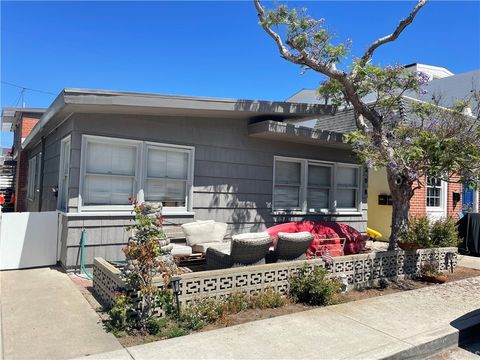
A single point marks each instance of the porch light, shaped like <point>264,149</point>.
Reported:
<point>175,282</point>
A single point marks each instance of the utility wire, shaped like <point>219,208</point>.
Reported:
<point>27,88</point>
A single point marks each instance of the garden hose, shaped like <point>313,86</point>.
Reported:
<point>82,255</point>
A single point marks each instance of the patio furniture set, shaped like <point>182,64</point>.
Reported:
<point>205,242</point>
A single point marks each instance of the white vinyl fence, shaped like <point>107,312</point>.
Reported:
<point>28,239</point>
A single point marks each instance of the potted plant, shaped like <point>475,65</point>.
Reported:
<point>429,272</point>
<point>417,236</point>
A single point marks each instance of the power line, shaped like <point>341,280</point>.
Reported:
<point>27,88</point>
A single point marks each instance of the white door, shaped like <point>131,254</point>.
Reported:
<point>436,198</point>
<point>28,239</point>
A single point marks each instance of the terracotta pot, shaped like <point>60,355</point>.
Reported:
<point>408,246</point>
<point>436,279</point>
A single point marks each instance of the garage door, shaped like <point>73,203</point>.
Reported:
<point>28,239</point>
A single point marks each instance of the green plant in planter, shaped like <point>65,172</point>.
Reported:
<point>425,234</point>
<point>430,268</point>
<point>418,232</point>
<point>313,286</point>
<point>444,233</point>
<point>148,254</point>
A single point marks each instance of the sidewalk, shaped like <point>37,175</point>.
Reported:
<point>44,316</point>
<point>410,324</point>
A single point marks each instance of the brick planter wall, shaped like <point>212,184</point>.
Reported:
<point>361,270</point>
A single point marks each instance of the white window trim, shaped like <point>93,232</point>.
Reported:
<point>140,172</point>
<point>333,210</point>
<point>60,174</point>
<point>443,199</point>
<point>31,183</point>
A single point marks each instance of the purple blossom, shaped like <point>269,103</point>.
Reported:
<point>392,165</point>
<point>423,78</point>
<point>369,164</point>
<point>408,140</point>
<point>412,175</point>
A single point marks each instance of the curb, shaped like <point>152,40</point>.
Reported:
<point>464,330</point>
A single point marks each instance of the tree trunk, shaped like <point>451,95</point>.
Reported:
<point>402,191</point>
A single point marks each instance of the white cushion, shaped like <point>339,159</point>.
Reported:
<point>295,236</point>
<point>198,232</point>
<point>251,236</point>
<point>181,250</point>
<point>224,247</point>
<point>219,232</point>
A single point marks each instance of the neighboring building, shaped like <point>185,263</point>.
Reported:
<point>237,161</point>
<point>20,121</point>
<point>437,198</point>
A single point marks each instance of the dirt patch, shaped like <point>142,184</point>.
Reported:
<point>245,316</point>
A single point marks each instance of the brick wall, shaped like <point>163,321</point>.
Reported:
<point>24,128</point>
<point>418,203</point>
<point>453,209</point>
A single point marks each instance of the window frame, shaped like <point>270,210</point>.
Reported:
<point>140,174</point>
<point>332,209</point>
<point>443,196</point>
<point>301,204</point>
<point>63,142</point>
<point>31,177</point>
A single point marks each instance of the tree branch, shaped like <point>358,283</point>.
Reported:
<point>302,58</point>
<point>393,36</point>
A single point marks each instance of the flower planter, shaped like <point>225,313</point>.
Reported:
<point>436,279</point>
<point>408,246</point>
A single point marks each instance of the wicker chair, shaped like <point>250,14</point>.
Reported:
<point>246,249</point>
<point>291,246</point>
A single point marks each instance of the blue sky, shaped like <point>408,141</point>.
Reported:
<point>206,48</point>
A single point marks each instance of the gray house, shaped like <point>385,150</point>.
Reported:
<point>242,162</point>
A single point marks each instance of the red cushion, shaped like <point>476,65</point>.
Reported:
<point>326,233</point>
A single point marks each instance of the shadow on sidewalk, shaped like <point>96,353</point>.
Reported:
<point>468,326</point>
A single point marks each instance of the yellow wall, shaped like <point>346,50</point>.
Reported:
<point>379,216</point>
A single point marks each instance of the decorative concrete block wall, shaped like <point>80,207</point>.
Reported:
<point>361,270</point>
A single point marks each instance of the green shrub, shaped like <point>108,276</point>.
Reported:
<point>268,299</point>
<point>155,325</point>
<point>426,234</point>
<point>444,233</point>
<point>313,287</point>
<point>419,232</point>
<point>120,316</point>
<point>176,331</point>
<point>236,302</point>
<point>209,310</point>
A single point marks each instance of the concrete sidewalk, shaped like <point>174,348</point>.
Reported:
<point>45,316</point>
<point>409,324</point>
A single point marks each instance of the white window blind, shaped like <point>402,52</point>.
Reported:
<point>287,184</point>
<point>32,167</point>
<point>312,186</point>
<point>167,176</point>
<point>110,171</point>
<point>115,169</point>
<point>319,184</point>
<point>347,187</point>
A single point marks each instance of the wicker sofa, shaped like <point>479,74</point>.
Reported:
<point>246,249</point>
<point>291,246</point>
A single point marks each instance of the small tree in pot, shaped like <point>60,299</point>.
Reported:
<point>148,254</point>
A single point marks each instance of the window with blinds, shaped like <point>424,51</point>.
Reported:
<point>115,169</point>
<point>167,176</point>
<point>31,177</point>
<point>315,187</point>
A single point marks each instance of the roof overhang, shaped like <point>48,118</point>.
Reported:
<point>71,101</point>
<point>274,130</point>
<point>11,116</point>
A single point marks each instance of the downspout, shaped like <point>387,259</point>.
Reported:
<point>40,190</point>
